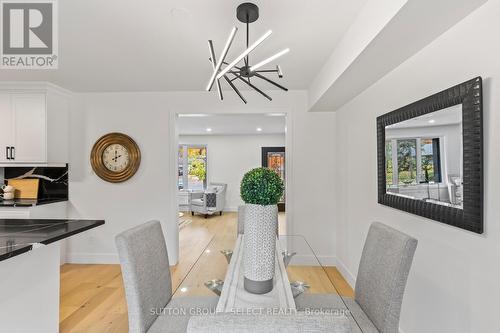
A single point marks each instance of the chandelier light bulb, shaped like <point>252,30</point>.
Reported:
<point>222,57</point>
<point>268,60</point>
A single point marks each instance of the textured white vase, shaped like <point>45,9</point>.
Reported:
<point>261,225</point>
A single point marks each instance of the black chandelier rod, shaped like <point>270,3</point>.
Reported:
<point>270,81</point>
<point>254,87</point>
<point>230,82</point>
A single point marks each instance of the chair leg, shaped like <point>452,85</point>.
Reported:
<point>206,216</point>
<point>192,213</point>
<point>220,213</point>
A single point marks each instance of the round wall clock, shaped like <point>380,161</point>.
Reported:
<point>115,157</point>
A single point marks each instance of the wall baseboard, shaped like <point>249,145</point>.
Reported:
<point>346,273</point>
<point>92,258</point>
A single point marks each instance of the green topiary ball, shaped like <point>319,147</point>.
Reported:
<point>261,186</point>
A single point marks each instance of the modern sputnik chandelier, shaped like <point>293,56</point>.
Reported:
<point>247,13</point>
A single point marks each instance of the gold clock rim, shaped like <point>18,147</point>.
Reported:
<point>97,162</point>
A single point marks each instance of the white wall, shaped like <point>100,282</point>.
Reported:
<point>150,194</point>
<point>453,285</point>
<point>231,156</point>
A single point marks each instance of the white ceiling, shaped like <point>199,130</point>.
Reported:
<point>448,116</point>
<point>161,45</point>
<point>231,124</point>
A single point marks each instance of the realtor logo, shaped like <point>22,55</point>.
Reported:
<point>29,36</point>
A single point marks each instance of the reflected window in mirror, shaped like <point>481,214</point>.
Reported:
<point>423,157</point>
<point>413,167</point>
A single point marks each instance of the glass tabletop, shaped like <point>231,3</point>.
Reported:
<point>306,273</point>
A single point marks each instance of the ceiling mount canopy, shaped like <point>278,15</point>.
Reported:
<point>247,12</point>
<point>230,71</point>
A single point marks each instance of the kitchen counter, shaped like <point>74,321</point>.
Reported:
<point>30,259</point>
<point>29,202</point>
<point>18,236</point>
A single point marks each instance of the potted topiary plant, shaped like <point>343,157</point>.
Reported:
<point>260,189</point>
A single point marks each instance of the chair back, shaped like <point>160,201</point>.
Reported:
<point>382,275</point>
<point>221,195</point>
<point>146,273</point>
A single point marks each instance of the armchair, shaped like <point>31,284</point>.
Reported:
<point>209,202</point>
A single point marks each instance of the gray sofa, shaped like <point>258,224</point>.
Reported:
<point>211,201</point>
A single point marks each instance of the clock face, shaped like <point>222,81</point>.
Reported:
<point>116,157</point>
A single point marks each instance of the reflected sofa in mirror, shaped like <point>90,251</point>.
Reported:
<point>430,157</point>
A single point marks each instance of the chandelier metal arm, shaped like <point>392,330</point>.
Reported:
<point>267,71</point>
<point>247,61</point>
<point>254,87</point>
<point>231,84</point>
<point>270,81</point>
<point>224,62</point>
<point>279,71</point>
<point>212,54</point>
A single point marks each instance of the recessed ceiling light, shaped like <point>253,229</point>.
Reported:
<point>207,251</point>
<point>184,289</point>
<point>209,129</point>
<point>259,129</point>
<point>180,13</point>
<point>432,121</point>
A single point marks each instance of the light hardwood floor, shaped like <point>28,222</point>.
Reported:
<point>92,296</point>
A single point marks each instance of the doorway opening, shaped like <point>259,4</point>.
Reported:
<point>214,151</point>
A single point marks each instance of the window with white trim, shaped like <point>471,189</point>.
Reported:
<point>411,161</point>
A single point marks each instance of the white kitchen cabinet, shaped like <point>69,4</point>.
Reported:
<point>30,130</point>
<point>6,127</point>
<point>34,128</point>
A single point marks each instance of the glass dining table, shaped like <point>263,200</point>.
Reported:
<point>305,272</point>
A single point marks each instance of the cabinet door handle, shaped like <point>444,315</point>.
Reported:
<point>13,153</point>
<point>7,153</point>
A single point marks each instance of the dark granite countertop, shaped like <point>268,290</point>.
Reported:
<point>29,202</point>
<point>17,236</point>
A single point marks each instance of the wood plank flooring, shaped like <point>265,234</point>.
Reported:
<point>92,297</point>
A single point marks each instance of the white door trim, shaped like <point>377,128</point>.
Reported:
<point>173,148</point>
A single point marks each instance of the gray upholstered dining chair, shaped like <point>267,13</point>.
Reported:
<point>383,271</point>
<point>148,285</point>
<point>269,323</point>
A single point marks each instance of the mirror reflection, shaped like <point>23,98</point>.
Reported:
<point>424,157</point>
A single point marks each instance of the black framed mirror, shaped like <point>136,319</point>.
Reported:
<point>430,157</point>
